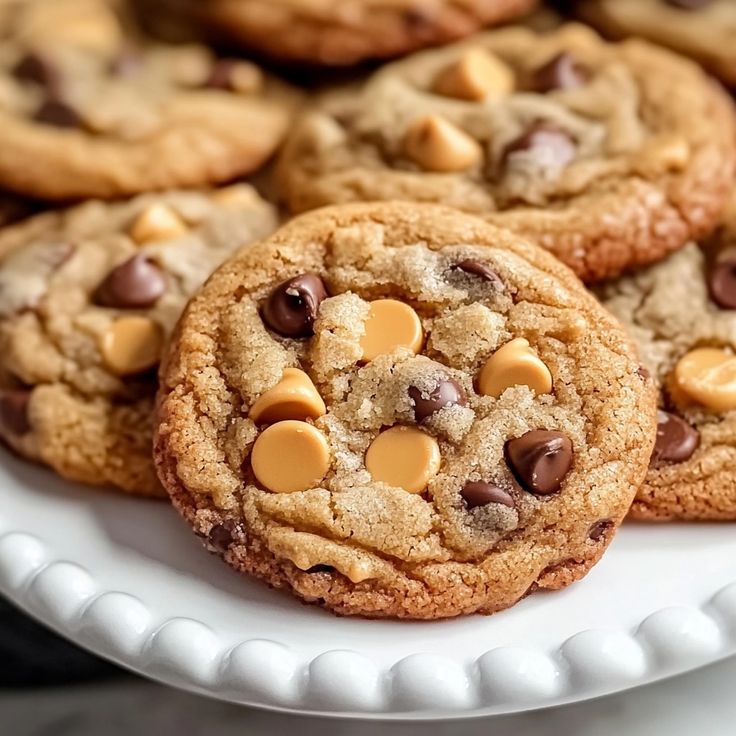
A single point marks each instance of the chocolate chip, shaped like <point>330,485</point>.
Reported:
<point>689,4</point>
<point>135,284</point>
<point>563,71</point>
<point>539,460</point>
<point>722,283</point>
<point>482,271</point>
<point>643,373</point>
<point>676,439</point>
<point>57,113</point>
<point>222,535</point>
<point>599,529</point>
<point>34,68</point>
<point>552,146</point>
<point>480,493</point>
<point>14,411</point>
<point>447,392</point>
<point>292,306</point>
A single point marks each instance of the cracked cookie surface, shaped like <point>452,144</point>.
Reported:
<point>326,32</point>
<point>398,410</point>
<point>681,315</point>
<point>87,298</point>
<point>702,29</point>
<point>608,155</point>
<point>106,115</point>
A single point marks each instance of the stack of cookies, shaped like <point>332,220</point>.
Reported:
<point>409,345</point>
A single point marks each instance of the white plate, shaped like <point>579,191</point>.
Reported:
<point>128,580</point>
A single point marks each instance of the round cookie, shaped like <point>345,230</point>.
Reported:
<point>681,313</point>
<point>339,415</point>
<point>608,155</point>
<point>339,33</point>
<point>87,297</point>
<point>702,29</point>
<point>81,121</point>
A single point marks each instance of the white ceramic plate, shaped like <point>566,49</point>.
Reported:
<point>128,580</point>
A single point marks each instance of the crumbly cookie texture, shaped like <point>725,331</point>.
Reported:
<point>608,155</point>
<point>398,410</point>
<point>702,29</point>
<point>117,117</point>
<point>87,297</point>
<point>681,313</point>
<point>345,32</point>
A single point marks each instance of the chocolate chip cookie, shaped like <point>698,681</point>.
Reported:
<point>682,314</point>
<point>608,155</point>
<point>87,297</point>
<point>81,122</point>
<point>702,29</point>
<point>398,410</point>
<point>339,33</point>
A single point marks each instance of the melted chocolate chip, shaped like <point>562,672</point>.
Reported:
<point>57,113</point>
<point>35,68</point>
<point>722,283</point>
<point>480,493</point>
<point>599,529</point>
<point>447,392</point>
<point>482,271</point>
<point>676,439</point>
<point>222,535</point>
<point>552,146</point>
<point>135,284</point>
<point>14,411</point>
<point>561,72</point>
<point>292,306</point>
<point>540,460</point>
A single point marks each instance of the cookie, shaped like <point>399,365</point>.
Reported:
<point>608,155</point>
<point>702,29</point>
<point>87,297</point>
<point>681,313</point>
<point>398,410</point>
<point>81,122</point>
<point>344,33</point>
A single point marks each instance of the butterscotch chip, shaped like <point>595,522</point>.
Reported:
<point>436,500</point>
<point>514,364</point>
<point>293,397</point>
<point>131,345</point>
<point>475,75</point>
<point>438,145</point>
<point>391,324</point>
<point>290,456</point>
<point>708,375</point>
<point>157,222</point>
<point>71,281</point>
<point>404,457</point>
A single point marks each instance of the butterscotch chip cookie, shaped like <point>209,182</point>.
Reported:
<point>608,155</point>
<point>681,313</point>
<point>113,119</point>
<point>339,33</point>
<point>87,297</point>
<point>702,29</point>
<point>398,410</point>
